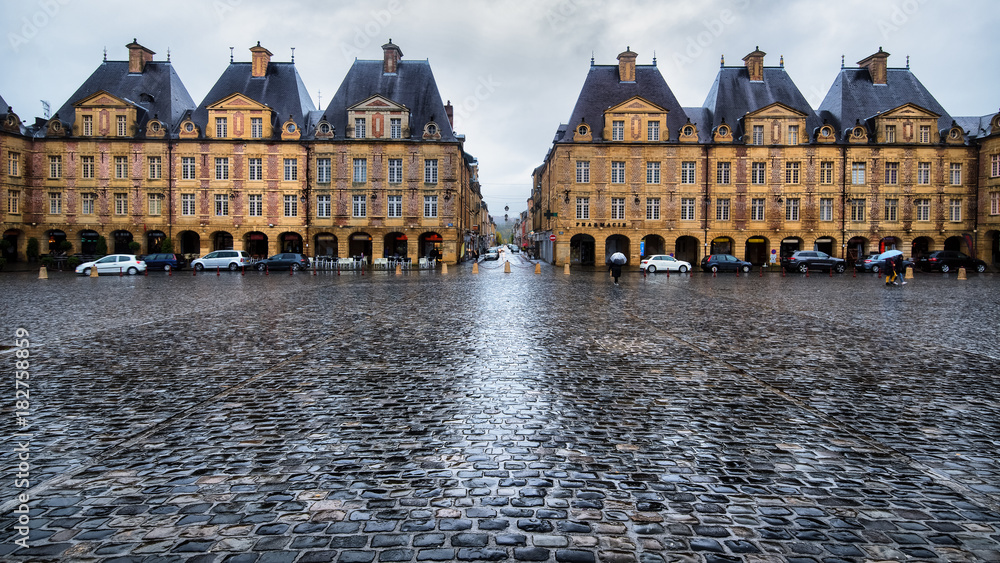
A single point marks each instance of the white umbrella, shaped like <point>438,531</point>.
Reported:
<point>618,258</point>
<point>889,254</point>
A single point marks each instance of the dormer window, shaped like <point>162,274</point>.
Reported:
<point>432,129</point>
<point>324,128</point>
<point>122,125</point>
<point>359,128</point>
<point>583,129</point>
<point>653,131</point>
<point>290,128</point>
<point>189,127</point>
<point>723,131</point>
<point>826,131</point>
<point>395,128</point>
<point>256,127</point>
<point>758,135</point>
<point>793,134</point>
<point>88,125</point>
<point>221,127</point>
<point>154,127</point>
<point>925,134</point>
<point>858,133</point>
<point>617,130</point>
<point>688,130</point>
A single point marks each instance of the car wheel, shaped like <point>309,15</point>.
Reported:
<point>715,269</point>
<point>945,268</point>
<point>261,266</point>
<point>803,268</point>
<point>199,267</point>
<point>132,270</point>
<point>166,267</point>
<point>745,268</point>
<point>840,268</point>
<point>233,267</point>
<point>296,267</point>
<point>875,269</point>
<point>86,271</point>
<point>683,269</point>
<point>980,268</point>
<point>651,269</point>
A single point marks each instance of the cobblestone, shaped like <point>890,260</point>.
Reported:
<point>491,417</point>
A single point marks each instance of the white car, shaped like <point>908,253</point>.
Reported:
<point>230,259</point>
<point>661,262</point>
<point>114,264</point>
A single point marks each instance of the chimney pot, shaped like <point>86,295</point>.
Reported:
<point>626,65</point>
<point>391,57</point>
<point>877,66</point>
<point>755,65</point>
<point>138,56</point>
<point>261,58</point>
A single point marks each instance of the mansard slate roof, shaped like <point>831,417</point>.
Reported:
<point>733,95</point>
<point>976,126</point>
<point>281,88</point>
<point>165,95</point>
<point>412,85</point>
<point>855,98</point>
<point>3,105</point>
<point>602,90</point>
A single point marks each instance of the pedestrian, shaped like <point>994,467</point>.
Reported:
<point>616,272</point>
<point>890,272</point>
<point>616,261</point>
<point>900,270</point>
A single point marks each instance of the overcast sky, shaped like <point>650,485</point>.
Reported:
<point>513,69</point>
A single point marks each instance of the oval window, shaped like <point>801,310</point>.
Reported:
<point>189,126</point>
<point>155,126</point>
<point>689,130</point>
<point>724,131</point>
<point>432,129</point>
<point>290,128</point>
<point>324,128</point>
<point>582,130</point>
<point>826,131</point>
<point>858,132</point>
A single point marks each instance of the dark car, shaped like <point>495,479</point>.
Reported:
<point>164,261</point>
<point>724,263</point>
<point>283,261</point>
<point>949,260</point>
<point>805,260</point>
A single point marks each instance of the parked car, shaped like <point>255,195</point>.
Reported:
<point>283,261</point>
<point>724,263</point>
<point>164,261</point>
<point>948,260</point>
<point>491,254</point>
<point>231,259</point>
<point>805,260</point>
<point>871,263</point>
<point>114,264</point>
<point>663,262</point>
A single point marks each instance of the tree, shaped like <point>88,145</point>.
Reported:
<point>134,247</point>
<point>32,251</point>
<point>101,249</point>
<point>167,246</point>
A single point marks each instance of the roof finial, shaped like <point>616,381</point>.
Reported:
<point>231,54</point>
<point>591,58</point>
<point>654,57</point>
<point>293,54</point>
<point>168,54</point>
<point>722,61</point>
<point>319,93</point>
<point>781,62</point>
<point>907,62</point>
<point>841,61</point>
<point>105,54</point>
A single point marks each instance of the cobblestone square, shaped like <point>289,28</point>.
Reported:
<point>493,416</point>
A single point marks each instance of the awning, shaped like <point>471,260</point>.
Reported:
<point>756,240</point>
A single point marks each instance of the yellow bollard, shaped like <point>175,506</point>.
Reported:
<point>538,268</point>
<point>909,274</point>
<point>399,270</point>
<point>506,267</point>
<point>93,271</point>
<point>444,268</point>
<point>475,267</point>
<point>961,274</point>
<point>43,273</point>
<point>566,268</point>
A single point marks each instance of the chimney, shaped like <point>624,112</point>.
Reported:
<point>876,65</point>
<point>261,57</point>
<point>391,57</point>
<point>138,56</point>
<point>626,65</point>
<point>450,111</point>
<point>755,65</point>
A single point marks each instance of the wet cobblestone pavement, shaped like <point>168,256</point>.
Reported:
<point>518,417</point>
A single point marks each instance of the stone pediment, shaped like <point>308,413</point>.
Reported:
<point>237,101</point>
<point>102,99</point>
<point>635,105</point>
<point>777,109</point>
<point>377,103</point>
<point>910,110</point>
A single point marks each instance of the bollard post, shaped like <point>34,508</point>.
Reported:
<point>566,268</point>
<point>291,270</point>
<point>314,267</point>
<point>782,271</point>
<point>475,267</point>
<point>43,273</point>
<point>738,271</point>
<point>338,267</point>
<point>444,268</point>
<point>761,271</point>
<point>506,267</point>
<point>961,274</point>
<point>267,271</point>
<point>831,271</point>
<point>243,270</point>
<point>668,273</point>
<point>218,270</point>
<point>807,272</point>
<point>121,272</point>
<point>399,269</point>
<point>194,271</point>
<point>93,271</point>
<point>170,271</point>
<point>909,274</point>
<point>855,271</point>
<point>538,268</point>
<point>146,272</point>
<point>714,272</point>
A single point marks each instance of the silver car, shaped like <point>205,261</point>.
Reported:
<point>232,260</point>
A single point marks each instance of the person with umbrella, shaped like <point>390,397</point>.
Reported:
<point>617,260</point>
<point>893,260</point>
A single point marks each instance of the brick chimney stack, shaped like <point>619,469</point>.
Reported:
<point>876,65</point>
<point>392,55</point>
<point>138,56</point>
<point>626,65</point>
<point>755,65</point>
<point>261,58</point>
<point>450,111</point>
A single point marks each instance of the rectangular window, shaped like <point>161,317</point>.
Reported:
<point>955,209</point>
<point>323,170</point>
<point>826,209</point>
<point>652,208</point>
<point>890,133</point>
<point>617,208</point>
<point>55,167</point>
<point>359,129</point>
<point>14,164</point>
<point>187,168</point>
<point>617,172</point>
<point>793,134</point>
<point>923,172</point>
<point>757,170</point>
<point>583,208</point>
<point>291,169</point>
<point>687,209</point>
<point>652,172</point>
<point>221,128</point>
<point>722,172</point>
<point>395,208</point>
<point>653,131</point>
<point>582,172</point>
<point>995,203</point>
<point>892,210</point>
<point>431,171</point>
<point>430,206</point>
<point>858,173</point>
<point>291,206</point>
<point>395,128</point>
<point>122,125</point>
<point>757,209</point>
<point>360,206</point>
<point>121,204</point>
<point>187,204</point>
<point>792,209</point>
<point>55,203</point>
<point>155,204</point>
<point>758,134</point>
<point>222,168</point>
<point>256,208</point>
<point>617,130</point>
<point>155,167</point>
<point>925,134</point>
<point>14,201</point>
<point>87,203</point>
<point>826,172</point>
<point>256,127</point>
<point>892,173</point>
<point>687,172</point>
<point>221,205</point>
<point>255,168</point>
<point>923,207</point>
<point>87,167</point>
<point>995,168</point>
<point>955,174</point>
<point>88,125</point>
<point>322,206</point>
<point>791,172</point>
<point>858,209</point>
<point>395,170</point>
<point>121,167</point>
<point>722,209</point>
